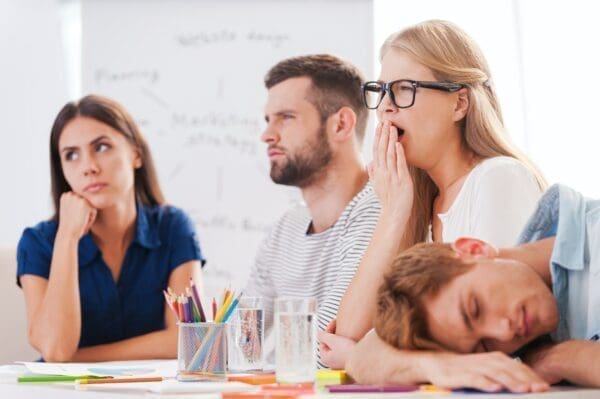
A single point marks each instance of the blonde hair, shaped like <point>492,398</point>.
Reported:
<point>453,56</point>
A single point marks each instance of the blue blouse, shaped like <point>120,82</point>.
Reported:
<point>133,305</point>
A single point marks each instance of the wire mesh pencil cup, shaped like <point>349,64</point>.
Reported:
<point>202,352</point>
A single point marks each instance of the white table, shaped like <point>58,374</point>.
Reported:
<point>9,388</point>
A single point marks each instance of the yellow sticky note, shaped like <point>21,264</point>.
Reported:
<point>334,376</point>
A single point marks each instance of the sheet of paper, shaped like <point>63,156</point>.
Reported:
<point>165,368</point>
<point>172,386</point>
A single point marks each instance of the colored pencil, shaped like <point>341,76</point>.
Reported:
<point>196,297</point>
<point>170,303</point>
<point>113,380</point>
<point>356,388</point>
<point>224,308</point>
<point>253,379</point>
<point>180,310</point>
<point>214,308</point>
<point>54,378</point>
<point>231,308</point>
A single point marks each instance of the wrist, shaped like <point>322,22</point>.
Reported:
<point>65,238</point>
<point>392,223</point>
<point>421,363</point>
<point>556,359</point>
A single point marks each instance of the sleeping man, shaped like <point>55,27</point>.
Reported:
<point>539,300</point>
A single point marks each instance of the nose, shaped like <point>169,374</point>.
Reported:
<point>501,329</point>
<point>90,166</point>
<point>269,135</point>
<point>386,107</point>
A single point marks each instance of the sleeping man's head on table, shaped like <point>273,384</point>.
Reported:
<point>537,298</point>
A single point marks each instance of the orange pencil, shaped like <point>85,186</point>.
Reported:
<point>214,308</point>
<point>113,380</point>
<point>180,309</point>
<point>253,379</point>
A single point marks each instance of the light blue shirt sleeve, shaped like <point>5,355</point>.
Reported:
<point>575,260</point>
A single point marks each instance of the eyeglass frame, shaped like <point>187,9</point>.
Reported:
<point>449,87</point>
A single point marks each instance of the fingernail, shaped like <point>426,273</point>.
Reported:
<point>494,388</point>
<point>540,386</point>
<point>522,388</point>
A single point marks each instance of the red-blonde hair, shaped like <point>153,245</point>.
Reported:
<point>415,274</point>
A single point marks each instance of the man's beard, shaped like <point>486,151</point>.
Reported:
<point>304,166</point>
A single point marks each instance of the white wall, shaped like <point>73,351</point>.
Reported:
<point>32,87</point>
<point>544,63</point>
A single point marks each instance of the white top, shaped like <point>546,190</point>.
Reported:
<point>291,262</point>
<point>494,203</point>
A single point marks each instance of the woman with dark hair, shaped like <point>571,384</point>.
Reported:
<point>93,275</point>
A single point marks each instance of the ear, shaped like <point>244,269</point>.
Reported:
<point>462,104</point>
<point>465,246</point>
<point>137,159</point>
<point>342,124</point>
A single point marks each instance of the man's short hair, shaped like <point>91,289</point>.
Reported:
<point>335,83</point>
<point>418,272</point>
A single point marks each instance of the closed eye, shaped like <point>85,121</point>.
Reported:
<point>483,346</point>
<point>476,311</point>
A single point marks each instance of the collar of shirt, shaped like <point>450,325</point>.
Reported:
<point>146,235</point>
<point>569,247</point>
<point>561,213</point>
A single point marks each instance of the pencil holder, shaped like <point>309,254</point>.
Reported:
<point>202,352</point>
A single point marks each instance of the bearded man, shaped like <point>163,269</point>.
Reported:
<point>316,123</point>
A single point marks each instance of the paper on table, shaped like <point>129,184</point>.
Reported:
<point>165,368</point>
<point>173,386</point>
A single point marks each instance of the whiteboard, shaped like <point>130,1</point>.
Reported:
<point>32,90</point>
<point>191,73</point>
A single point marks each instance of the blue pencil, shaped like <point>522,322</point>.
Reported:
<point>231,308</point>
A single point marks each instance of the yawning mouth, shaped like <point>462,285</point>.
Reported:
<point>400,131</point>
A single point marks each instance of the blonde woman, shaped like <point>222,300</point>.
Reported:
<point>442,168</point>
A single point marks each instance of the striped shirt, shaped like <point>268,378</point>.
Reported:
<point>291,262</point>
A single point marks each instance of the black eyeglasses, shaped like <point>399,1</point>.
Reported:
<point>402,92</point>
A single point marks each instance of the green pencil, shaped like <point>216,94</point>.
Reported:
<point>54,378</point>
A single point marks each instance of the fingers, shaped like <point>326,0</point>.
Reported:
<point>76,214</point>
<point>484,383</point>
<point>401,164</point>
<point>331,327</point>
<point>91,219</point>
<point>324,338</point>
<point>381,148</point>
<point>376,143</point>
<point>512,375</point>
<point>384,147</point>
<point>392,139</point>
<point>490,372</point>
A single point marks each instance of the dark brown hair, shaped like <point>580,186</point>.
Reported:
<point>107,111</point>
<point>416,273</point>
<point>335,83</point>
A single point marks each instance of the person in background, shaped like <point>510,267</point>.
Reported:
<point>315,126</point>
<point>442,168</point>
<point>538,299</point>
<point>93,275</point>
